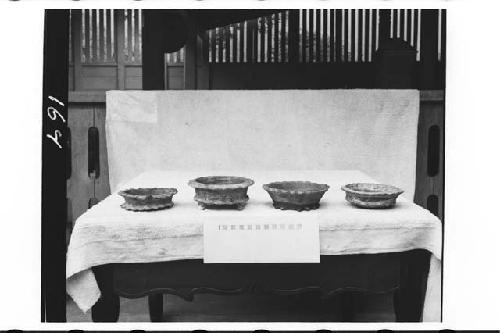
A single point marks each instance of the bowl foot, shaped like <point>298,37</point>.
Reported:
<point>291,206</point>
<point>204,206</point>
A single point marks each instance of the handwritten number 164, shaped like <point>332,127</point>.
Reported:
<point>53,115</point>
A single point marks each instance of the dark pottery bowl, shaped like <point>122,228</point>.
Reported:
<point>368,195</point>
<point>296,195</point>
<point>221,191</point>
<point>143,199</point>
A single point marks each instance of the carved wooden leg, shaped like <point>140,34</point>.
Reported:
<point>409,299</point>
<point>107,308</point>
<point>155,305</point>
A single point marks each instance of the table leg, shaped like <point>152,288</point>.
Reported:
<point>155,305</point>
<point>409,298</point>
<point>107,308</point>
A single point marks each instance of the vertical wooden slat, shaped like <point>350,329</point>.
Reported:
<point>242,41</point>
<point>284,43</point>
<point>130,33</point>
<point>394,20</point>
<point>109,46</point>
<point>408,25</point>
<point>325,35</point>
<point>402,25</point>
<point>262,36</point>
<point>367,35</point>
<point>414,27</point>
<point>332,41</point>
<point>119,47</point>
<point>268,38</point>
<point>255,40</point>
<point>220,44</point>
<point>94,35</point>
<point>374,32</point>
<point>443,36</point>
<point>354,48</point>
<point>359,28</point>
<point>252,35</point>
<point>249,41</point>
<point>318,36</point>
<point>86,51</point>
<point>338,35</point>
<point>304,35</point>
<point>276,34</point>
<point>136,35</point>
<point>101,35</point>
<point>310,42</point>
<point>384,25</point>
<point>234,42</point>
<point>212,38</point>
<point>346,35</point>
<point>227,43</point>
<point>76,26</point>
<point>292,44</point>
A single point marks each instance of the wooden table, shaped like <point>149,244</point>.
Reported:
<point>403,273</point>
<point>179,270</point>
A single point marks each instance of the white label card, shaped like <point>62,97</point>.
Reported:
<point>289,242</point>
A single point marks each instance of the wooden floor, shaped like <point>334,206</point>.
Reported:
<point>251,308</point>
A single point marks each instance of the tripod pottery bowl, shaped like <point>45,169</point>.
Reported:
<point>144,199</point>
<point>296,195</point>
<point>368,195</point>
<point>221,191</point>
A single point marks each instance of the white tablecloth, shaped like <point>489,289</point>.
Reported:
<point>109,234</point>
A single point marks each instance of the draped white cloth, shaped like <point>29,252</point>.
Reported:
<point>110,234</point>
<point>374,131</point>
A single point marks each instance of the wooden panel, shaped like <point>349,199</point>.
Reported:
<point>99,71</point>
<point>133,71</point>
<point>102,182</point>
<point>80,186</point>
<point>431,114</point>
<point>71,85</point>
<point>98,83</point>
<point>133,82</point>
<point>133,77</point>
<point>175,77</point>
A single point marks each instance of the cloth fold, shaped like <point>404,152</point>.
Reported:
<point>109,234</point>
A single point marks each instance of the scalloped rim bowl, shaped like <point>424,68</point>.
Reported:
<point>221,191</point>
<point>296,195</point>
<point>143,199</point>
<point>370,195</point>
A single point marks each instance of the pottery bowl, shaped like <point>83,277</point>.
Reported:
<point>296,195</point>
<point>221,191</point>
<point>368,195</point>
<point>147,198</point>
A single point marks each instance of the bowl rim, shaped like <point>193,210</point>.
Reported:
<point>197,183</point>
<point>390,190</point>
<point>269,187</point>
<point>168,192</point>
